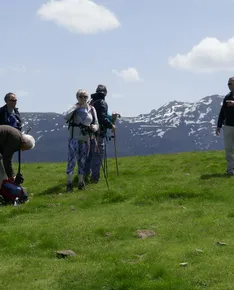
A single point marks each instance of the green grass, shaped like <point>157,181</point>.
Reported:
<point>185,198</point>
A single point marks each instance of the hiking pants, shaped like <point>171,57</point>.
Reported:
<point>95,157</point>
<point>77,152</point>
<point>2,172</point>
<point>228,134</point>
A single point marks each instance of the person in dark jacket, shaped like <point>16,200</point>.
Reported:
<point>11,141</point>
<point>226,119</point>
<point>96,155</point>
<point>9,114</point>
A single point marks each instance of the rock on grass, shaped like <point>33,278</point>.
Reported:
<point>142,234</point>
<point>65,254</point>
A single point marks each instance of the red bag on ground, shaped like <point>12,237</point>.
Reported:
<point>10,192</point>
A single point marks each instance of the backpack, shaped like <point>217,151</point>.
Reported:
<point>102,130</point>
<point>72,124</point>
<point>11,192</point>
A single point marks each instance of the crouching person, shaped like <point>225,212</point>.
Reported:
<point>82,123</point>
<point>11,141</point>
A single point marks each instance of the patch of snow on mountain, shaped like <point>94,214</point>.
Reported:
<point>161,134</point>
<point>189,122</point>
<point>191,131</point>
<point>202,115</point>
<point>207,102</point>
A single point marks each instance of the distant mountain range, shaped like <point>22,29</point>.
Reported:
<point>174,127</point>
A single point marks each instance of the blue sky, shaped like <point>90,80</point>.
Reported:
<point>50,49</point>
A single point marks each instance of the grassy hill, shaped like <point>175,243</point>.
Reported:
<point>184,198</point>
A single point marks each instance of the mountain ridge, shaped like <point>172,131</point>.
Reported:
<point>174,127</point>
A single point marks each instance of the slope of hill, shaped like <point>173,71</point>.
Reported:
<point>184,199</point>
<point>175,127</point>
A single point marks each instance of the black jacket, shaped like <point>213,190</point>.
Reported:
<point>99,103</point>
<point>10,142</point>
<point>4,118</point>
<point>226,115</point>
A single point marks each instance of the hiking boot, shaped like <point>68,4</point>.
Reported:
<point>81,186</point>
<point>86,179</point>
<point>230,172</point>
<point>69,187</point>
<point>94,180</point>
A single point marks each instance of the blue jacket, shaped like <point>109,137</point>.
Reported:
<point>13,120</point>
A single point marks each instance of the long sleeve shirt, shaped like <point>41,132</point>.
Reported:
<point>226,114</point>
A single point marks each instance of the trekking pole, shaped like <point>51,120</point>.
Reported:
<point>105,161</point>
<point>114,119</point>
<point>116,159</point>
<point>29,129</point>
<point>104,173</point>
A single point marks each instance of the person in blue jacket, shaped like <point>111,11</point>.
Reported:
<point>9,114</point>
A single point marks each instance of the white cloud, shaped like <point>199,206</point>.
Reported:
<point>209,55</point>
<point>21,93</point>
<point>117,96</point>
<point>82,16</point>
<point>128,75</point>
<point>17,69</point>
<point>2,70</point>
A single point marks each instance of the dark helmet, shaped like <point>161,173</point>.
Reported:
<point>101,89</point>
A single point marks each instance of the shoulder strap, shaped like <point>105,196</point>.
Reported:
<point>70,121</point>
<point>94,116</point>
<point>94,102</point>
<point>19,161</point>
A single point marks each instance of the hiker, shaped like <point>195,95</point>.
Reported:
<point>82,123</point>
<point>226,119</point>
<point>9,114</point>
<point>11,141</point>
<point>97,146</point>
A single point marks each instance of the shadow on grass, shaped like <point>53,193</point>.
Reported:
<point>54,190</point>
<point>58,188</point>
<point>183,195</point>
<point>214,175</point>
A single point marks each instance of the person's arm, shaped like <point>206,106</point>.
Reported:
<point>95,125</point>
<point>67,115</point>
<point>7,163</point>
<point>3,120</point>
<point>221,118</point>
<point>103,116</point>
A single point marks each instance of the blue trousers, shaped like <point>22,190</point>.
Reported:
<point>77,152</point>
<point>95,158</point>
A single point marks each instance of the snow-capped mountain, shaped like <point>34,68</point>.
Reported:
<point>174,127</point>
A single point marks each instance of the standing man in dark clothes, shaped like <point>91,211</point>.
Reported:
<point>226,118</point>
<point>96,155</point>
<point>9,114</point>
<point>11,141</point>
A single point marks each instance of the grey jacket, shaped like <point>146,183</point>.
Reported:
<point>84,116</point>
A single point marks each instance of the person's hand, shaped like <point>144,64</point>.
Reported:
<point>113,127</point>
<point>11,179</point>
<point>230,103</point>
<point>217,131</point>
<point>116,115</point>
<point>91,127</point>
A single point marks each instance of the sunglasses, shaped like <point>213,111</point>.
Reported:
<point>83,97</point>
<point>14,101</point>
